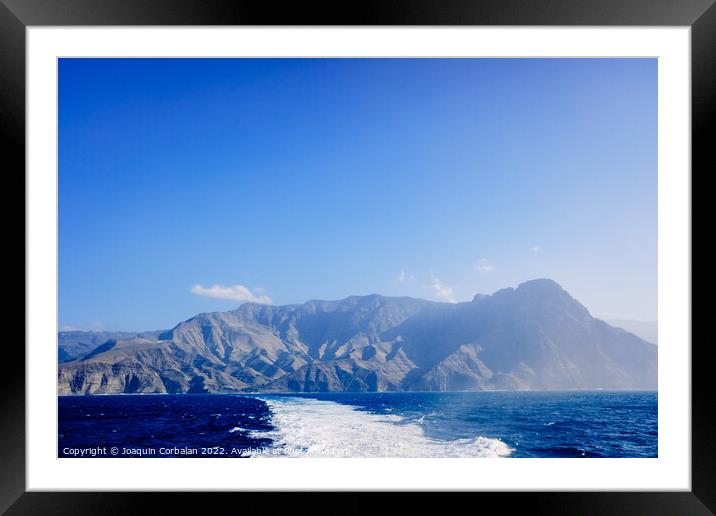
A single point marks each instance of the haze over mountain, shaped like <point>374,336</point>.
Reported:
<point>533,337</point>
<point>647,330</point>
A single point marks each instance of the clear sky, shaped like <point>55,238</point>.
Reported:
<point>189,185</point>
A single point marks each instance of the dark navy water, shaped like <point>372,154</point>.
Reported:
<point>137,424</point>
<point>514,424</point>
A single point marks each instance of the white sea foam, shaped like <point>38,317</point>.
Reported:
<point>317,428</point>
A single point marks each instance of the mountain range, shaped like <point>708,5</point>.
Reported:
<point>535,336</point>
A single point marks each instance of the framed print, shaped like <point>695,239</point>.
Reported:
<point>417,249</point>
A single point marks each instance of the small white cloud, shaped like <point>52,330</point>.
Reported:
<point>535,249</point>
<point>68,327</point>
<point>483,265</point>
<point>443,291</point>
<point>238,293</point>
<point>404,277</point>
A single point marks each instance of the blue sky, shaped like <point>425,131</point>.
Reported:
<point>189,185</point>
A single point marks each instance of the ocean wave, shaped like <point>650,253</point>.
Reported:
<point>318,428</point>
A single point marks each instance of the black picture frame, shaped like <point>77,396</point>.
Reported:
<point>17,15</point>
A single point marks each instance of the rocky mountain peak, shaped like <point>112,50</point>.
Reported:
<point>535,336</point>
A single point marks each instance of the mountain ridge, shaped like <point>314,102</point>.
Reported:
<point>535,336</point>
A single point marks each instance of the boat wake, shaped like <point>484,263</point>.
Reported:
<point>317,428</point>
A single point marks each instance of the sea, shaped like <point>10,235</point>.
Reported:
<point>508,424</point>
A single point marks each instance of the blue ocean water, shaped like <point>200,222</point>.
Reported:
<point>405,424</point>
